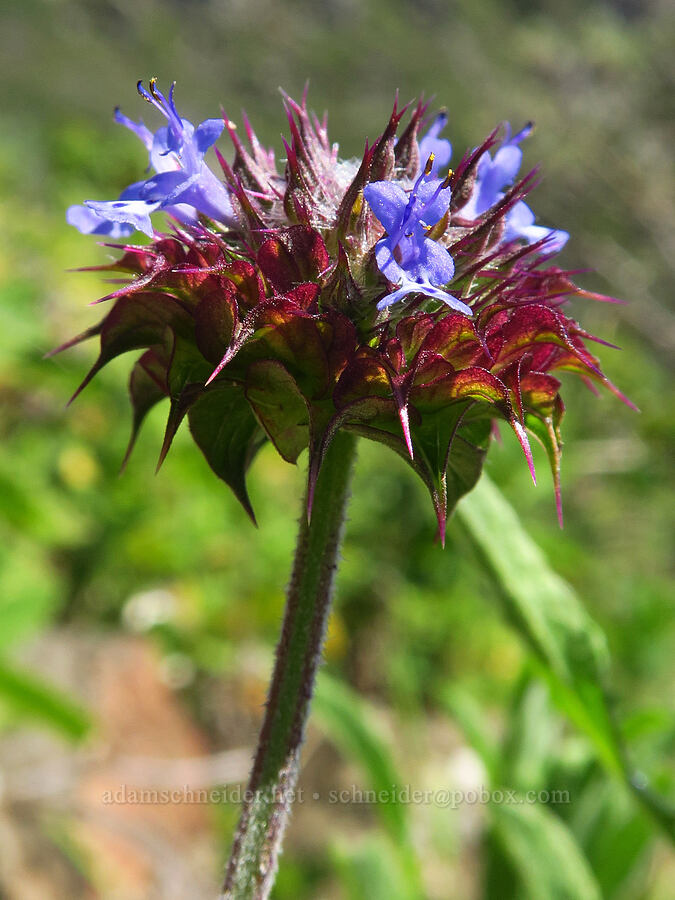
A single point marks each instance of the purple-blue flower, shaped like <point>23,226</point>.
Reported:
<point>183,185</point>
<point>405,255</point>
<point>495,174</point>
<point>439,150</point>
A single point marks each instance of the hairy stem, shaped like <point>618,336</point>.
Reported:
<point>257,842</point>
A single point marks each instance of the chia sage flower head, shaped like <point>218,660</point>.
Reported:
<point>183,185</point>
<point>410,304</point>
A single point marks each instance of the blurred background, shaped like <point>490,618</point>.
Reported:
<point>138,614</point>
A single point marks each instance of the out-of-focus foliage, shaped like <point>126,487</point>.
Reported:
<point>175,560</point>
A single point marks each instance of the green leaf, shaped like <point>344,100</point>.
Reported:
<point>30,589</point>
<point>465,461</point>
<point>547,614</point>
<point>472,720</point>
<point>532,737</point>
<point>370,868</point>
<point>281,408</point>
<point>348,721</point>
<point>226,431</point>
<point>568,645</point>
<point>544,854</point>
<point>613,833</point>
<point>186,379</point>
<point>147,386</point>
<point>294,341</point>
<point>28,696</point>
<point>140,320</point>
<point>187,366</point>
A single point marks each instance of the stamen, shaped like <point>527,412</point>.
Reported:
<point>167,108</point>
<point>441,187</point>
<point>153,97</point>
<point>430,164</point>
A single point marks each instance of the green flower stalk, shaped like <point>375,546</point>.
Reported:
<point>310,304</point>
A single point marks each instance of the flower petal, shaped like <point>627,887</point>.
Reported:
<point>432,203</point>
<point>431,143</point>
<point>126,212</point>
<point>506,163</point>
<point>139,129</point>
<point>520,224</point>
<point>207,134</point>
<point>433,264</point>
<point>206,194</point>
<point>414,287</point>
<point>386,262</point>
<point>87,221</point>
<point>388,201</point>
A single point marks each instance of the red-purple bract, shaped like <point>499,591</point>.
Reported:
<point>270,329</point>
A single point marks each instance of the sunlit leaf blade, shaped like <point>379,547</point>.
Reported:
<point>532,739</point>
<point>608,829</point>
<point>28,696</point>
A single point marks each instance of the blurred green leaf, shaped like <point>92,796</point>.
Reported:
<point>471,718</point>
<point>348,722</point>
<point>369,869</point>
<point>29,589</point>
<point>544,854</point>
<point>568,644</point>
<point>612,832</point>
<point>532,738</point>
<point>598,813</point>
<point>546,613</point>
<point>28,696</point>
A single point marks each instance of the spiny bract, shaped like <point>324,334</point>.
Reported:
<point>409,304</point>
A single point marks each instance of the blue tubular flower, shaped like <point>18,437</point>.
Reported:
<point>406,256</point>
<point>438,149</point>
<point>492,176</point>
<point>184,186</point>
<point>519,223</point>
